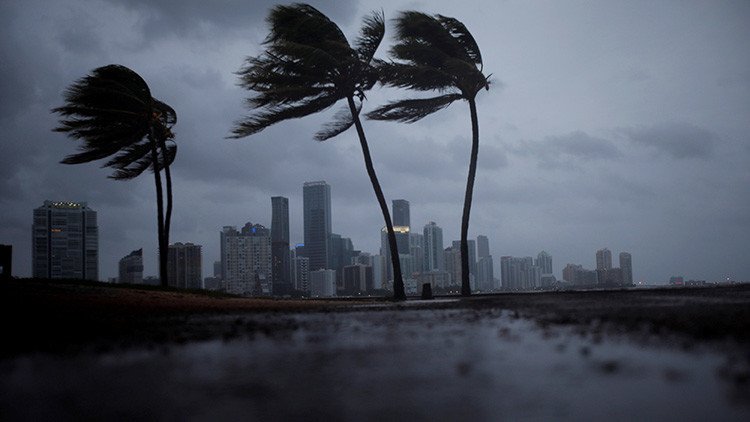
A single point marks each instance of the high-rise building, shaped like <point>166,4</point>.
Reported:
<point>483,246</point>
<point>433,247</point>
<point>6,261</point>
<point>603,259</point>
<point>472,254</point>
<point>323,283</point>
<point>280,260</point>
<point>316,198</point>
<point>357,279</point>
<point>65,241</point>
<point>184,266</point>
<point>301,273</point>
<point>626,265</point>
<point>416,250</point>
<point>519,274</point>
<point>544,262</point>
<point>452,264</point>
<point>485,274</point>
<point>402,244</point>
<point>131,268</point>
<point>401,212</point>
<point>246,260</point>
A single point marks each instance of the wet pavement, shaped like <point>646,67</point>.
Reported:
<point>379,362</point>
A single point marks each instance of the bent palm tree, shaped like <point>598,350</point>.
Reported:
<point>307,67</point>
<point>113,113</point>
<point>436,53</point>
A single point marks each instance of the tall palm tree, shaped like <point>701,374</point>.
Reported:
<point>113,113</point>
<point>436,53</point>
<point>307,67</point>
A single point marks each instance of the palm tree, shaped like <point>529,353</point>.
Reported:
<point>307,67</point>
<point>113,113</point>
<point>436,53</point>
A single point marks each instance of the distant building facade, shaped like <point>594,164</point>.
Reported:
<point>316,197</point>
<point>433,247</point>
<point>323,283</point>
<point>131,268</point>
<point>603,259</point>
<point>626,265</point>
<point>280,257</point>
<point>246,260</point>
<point>184,266</point>
<point>65,241</point>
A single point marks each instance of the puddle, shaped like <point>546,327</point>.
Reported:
<point>416,365</point>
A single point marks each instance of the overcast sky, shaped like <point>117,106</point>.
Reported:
<point>608,124</point>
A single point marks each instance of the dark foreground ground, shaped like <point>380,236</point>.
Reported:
<point>73,351</point>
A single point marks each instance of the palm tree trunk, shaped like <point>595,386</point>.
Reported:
<point>160,211</point>
<point>168,182</point>
<point>465,284</point>
<point>398,281</point>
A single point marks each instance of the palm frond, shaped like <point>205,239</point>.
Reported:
<point>462,35</point>
<point>342,121</point>
<point>418,77</point>
<point>410,111</point>
<point>371,35</point>
<point>272,115</point>
<point>301,23</point>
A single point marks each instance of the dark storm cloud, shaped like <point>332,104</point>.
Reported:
<point>200,18</point>
<point>678,140</point>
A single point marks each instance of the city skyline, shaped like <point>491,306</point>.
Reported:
<point>618,125</point>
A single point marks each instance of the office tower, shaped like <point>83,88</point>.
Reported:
<point>544,262</point>
<point>65,241</point>
<point>579,276</point>
<point>184,266</point>
<point>316,198</point>
<point>217,269</point>
<point>472,254</point>
<point>323,283</point>
<point>603,259</point>
<point>416,250</point>
<point>519,274</point>
<point>452,264</point>
<point>401,213</point>
<point>341,251</point>
<point>280,260</point>
<point>246,260</point>
<point>483,246</point>
<point>485,274</point>
<point>357,279</point>
<point>626,265</point>
<point>379,272</point>
<point>402,244</point>
<point>433,247</point>
<point>301,273</point>
<point>131,268</point>
<point>6,261</point>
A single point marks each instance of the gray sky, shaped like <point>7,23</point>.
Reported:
<point>609,124</point>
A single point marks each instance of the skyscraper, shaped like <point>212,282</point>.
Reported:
<point>131,268</point>
<point>184,266</point>
<point>316,198</point>
<point>472,254</point>
<point>433,247</point>
<point>65,241</point>
<point>280,262</point>
<point>401,212</point>
<point>246,260</point>
<point>544,262</point>
<point>603,259</point>
<point>483,246</point>
<point>626,265</point>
